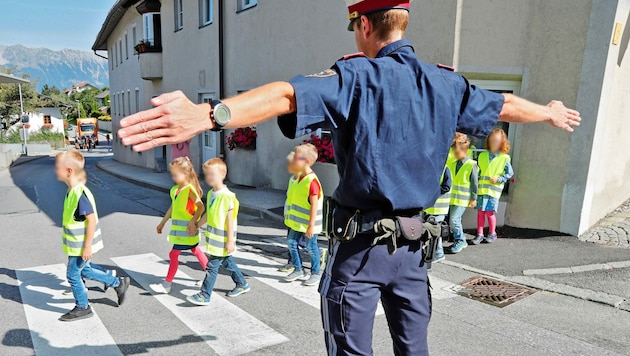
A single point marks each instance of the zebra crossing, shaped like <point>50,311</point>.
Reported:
<point>232,330</point>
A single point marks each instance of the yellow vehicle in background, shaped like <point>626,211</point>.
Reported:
<point>87,131</point>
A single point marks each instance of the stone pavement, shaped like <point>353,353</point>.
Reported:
<point>264,203</point>
<point>614,230</point>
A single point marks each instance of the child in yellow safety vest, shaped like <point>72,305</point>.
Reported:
<point>184,213</point>
<point>440,209</point>
<point>304,216</point>
<point>495,170</point>
<point>81,236</point>
<point>464,190</point>
<point>221,217</point>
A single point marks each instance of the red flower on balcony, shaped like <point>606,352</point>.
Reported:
<point>244,138</point>
<point>325,149</point>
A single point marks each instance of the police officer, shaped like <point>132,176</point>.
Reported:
<point>393,118</point>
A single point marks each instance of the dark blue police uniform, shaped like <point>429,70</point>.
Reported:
<point>393,118</point>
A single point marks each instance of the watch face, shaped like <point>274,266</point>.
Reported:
<point>221,115</point>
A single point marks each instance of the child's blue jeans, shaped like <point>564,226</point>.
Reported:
<point>456,222</point>
<point>212,271</point>
<point>79,269</point>
<point>311,246</point>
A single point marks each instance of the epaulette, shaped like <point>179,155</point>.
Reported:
<point>353,55</point>
<point>445,67</point>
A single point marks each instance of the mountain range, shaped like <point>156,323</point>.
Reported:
<point>62,69</point>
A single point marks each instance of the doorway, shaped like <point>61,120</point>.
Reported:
<point>209,138</point>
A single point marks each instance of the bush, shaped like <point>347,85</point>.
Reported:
<point>54,139</point>
<point>105,118</point>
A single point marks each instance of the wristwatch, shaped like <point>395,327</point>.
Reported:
<point>221,115</point>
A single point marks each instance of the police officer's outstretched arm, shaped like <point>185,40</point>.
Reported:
<point>176,119</point>
<point>519,110</point>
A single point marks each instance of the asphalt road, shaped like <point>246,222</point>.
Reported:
<point>542,324</point>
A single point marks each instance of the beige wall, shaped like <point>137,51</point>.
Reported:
<point>125,78</point>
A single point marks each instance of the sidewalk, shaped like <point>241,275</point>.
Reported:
<point>613,230</point>
<point>263,203</point>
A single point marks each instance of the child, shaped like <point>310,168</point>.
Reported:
<point>464,190</point>
<point>220,234</point>
<point>185,211</point>
<point>82,236</point>
<point>494,171</point>
<point>305,215</point>
<point>440,210</point>
<point>288,268</point>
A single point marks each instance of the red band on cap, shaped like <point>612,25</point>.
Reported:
<point>368,6</point>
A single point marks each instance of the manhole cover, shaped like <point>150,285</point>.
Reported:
<point>493,292</point>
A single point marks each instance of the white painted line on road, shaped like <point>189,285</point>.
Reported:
<point>226,328</point>
<point>577,269</point>
<point>41,290</point>
<point>441,289</point>
<point>266,270</point>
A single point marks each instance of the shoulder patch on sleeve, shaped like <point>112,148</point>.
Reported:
<point>323,74</point>
<point>353,55</point>
<point>445,67</point>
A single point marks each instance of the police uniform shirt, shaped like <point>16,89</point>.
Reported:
<point>393,117</point>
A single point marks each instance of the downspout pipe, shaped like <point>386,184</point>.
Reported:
<point>222,91</point>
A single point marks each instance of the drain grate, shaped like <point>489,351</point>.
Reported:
<point>493,292</point>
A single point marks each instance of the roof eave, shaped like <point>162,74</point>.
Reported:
<point>111,21</point>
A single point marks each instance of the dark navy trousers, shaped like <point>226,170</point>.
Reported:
<point>357,275</point>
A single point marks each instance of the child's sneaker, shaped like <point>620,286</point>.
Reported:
<point>491,238</point>
<point>295,275</point>
<point>458,246</point>
<point>323,252</point>
<point>77,314</point>
<point>288,268</point>
<point>477,240</point>
<point>438,258</point>
<point>111,272</point>
<point>313,280</point>
<point>238,291</point>
<point>161,288</point>
<point>198,299</point>
<point>121,290</point>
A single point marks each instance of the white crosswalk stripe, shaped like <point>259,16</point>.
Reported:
<point>226,317</point>
<point>41,290</point>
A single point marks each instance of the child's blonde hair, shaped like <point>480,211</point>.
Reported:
<point>290,156</point>
<point>308,150</point>
<point>505,144</point>
<point>216,162</point>
<point>186,166</point>
<point>461,141</point>
<point>72,159</point>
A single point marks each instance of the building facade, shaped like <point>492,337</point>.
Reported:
<point>539,49</point>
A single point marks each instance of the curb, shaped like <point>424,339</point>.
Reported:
<point>24,161</point>
<point>614,301</point>
<point>245,209</point>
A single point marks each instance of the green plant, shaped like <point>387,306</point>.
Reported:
<point>105,118</point>
<point>54,139</point>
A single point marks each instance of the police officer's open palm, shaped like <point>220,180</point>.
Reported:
<point>563,117</point>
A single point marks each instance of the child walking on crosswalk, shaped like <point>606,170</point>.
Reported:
<point>221,217</point>
<point>185,211</point>
<point>81,236</point>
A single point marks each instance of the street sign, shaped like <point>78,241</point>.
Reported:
<point>24,134</point>
<point>25,119</point>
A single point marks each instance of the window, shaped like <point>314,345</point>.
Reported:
<point>111,58</point>
<point>120,56</point>
<point>126,46</point>
<point>116,54</point>
<point>137,99</point>
<point>243,5</point>
<point>47,120</point>
<point>123,104</point>
<point>134,36</point>
<point>205,12</point>
<point>179,15</point>
<point>129,101</point>
<point>152,29</point>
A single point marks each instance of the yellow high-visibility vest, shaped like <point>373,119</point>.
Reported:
<point>73,235</point>
<point>460,191</point>
<point>299,207</point>
<point>443,202</point>
<point>217,229</point>
<point>489,169</point>
<point>180,217</point>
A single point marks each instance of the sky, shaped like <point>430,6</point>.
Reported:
<point>54,24</point>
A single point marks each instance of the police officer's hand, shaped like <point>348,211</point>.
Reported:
<point>191,228</point>
<point>174,119</point>
<point>159,228</point>
<point>310,232</point>
<point>87,253</point>
<point>563,117</point>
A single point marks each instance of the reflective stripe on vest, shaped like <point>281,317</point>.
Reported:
<point>298,214</point>
<point>217,213</point>
<point>180,217</point>
<point>489,169</point>
<point>460,191</point>
<point>73,233</point>
<point>443,202</point>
